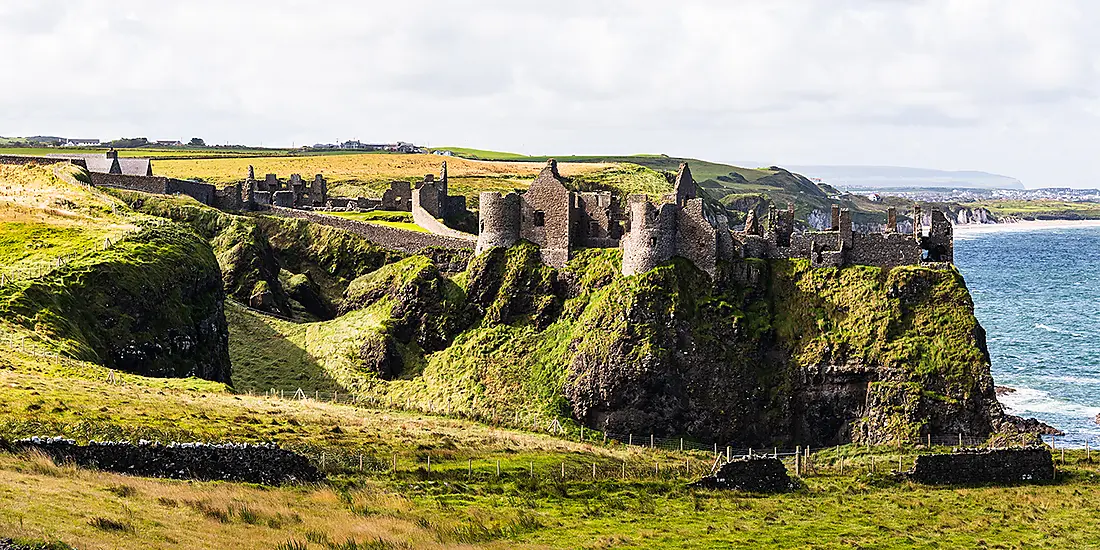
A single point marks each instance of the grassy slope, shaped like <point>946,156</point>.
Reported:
<point>448,510</point>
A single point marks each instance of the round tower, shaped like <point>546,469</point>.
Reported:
<point>498,220</point>
<point>652,237</point>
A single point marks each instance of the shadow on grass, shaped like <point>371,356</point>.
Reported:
<point>263,358</point>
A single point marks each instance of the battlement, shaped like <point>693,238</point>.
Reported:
<point>561,221</point>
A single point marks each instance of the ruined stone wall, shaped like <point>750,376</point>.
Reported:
<point>425,219</point>
<point>597,222</point>
<point>398,197</point>
<point>984,466</point>
<point>498,220</point>
<point>340,202</point>
<point>202,192</point>
<point>427,197</point>
<point>453,207</point>
<point>696,238</point>
<point>940,240</point>
<point>283,198</point>
<point>884,250</point>
<point>652,237</point>
<point>229,198</point>
<point>387,237</point>
<point>547,216</point>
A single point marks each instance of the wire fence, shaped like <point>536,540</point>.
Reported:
<point>38,270</point>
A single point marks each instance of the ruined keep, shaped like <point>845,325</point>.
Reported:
<point>271,191</point>
<point>551,216</point>
<point>560,221</point>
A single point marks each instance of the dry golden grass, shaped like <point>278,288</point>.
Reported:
<point>41,500</point>
<point>360,168</point>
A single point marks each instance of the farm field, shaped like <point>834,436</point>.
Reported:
<point>368,174</point>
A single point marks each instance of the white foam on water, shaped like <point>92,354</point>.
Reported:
<point>1056,330</point>
<point>1026,400</point>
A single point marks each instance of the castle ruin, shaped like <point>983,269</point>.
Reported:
<point>561,221</point>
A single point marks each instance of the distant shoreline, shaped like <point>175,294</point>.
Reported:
<point>1024,225</point>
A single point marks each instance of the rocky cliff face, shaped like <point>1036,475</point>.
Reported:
<point>150,305</point>
<point>769,352</point>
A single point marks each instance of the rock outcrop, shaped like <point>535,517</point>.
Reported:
<point>151,305</point>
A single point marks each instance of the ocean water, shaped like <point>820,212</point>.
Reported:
<point>1037,293</point>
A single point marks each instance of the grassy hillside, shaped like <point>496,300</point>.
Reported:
<point>448,507</point>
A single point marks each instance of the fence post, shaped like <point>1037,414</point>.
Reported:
<point>651,445</point>
<point>593,470</point>
<point>429,463</point>
<point>960,439</point>
<point>322,460</point>
<point>360,462</point>
<point>656,469</point>
<point>498,467</point>
<point>563,470</point>
<point>729,453</point>
<point>798,461</point>
<point>716,449</point>
<point>681,444</point>
<point>582,432</point>
<point>630,439</point>
<point>929,440</point>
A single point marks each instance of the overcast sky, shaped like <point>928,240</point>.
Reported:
<point>1006,86</point>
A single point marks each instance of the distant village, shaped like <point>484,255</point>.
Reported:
<point>349,145</point>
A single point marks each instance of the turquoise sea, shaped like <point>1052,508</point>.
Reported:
<point>1037,293</point>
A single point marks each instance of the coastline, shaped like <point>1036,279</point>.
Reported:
<point>1024,225</point>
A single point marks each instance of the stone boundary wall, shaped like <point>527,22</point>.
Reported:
<point>402,240</point>
<point>42,161</point>
<point>160,185</point>
<point>984,466</point>
<point>425,219</point>
<point>266,464</point>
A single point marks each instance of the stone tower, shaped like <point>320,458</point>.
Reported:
<point>499,220</point>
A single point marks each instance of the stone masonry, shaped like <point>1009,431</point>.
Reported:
<point>560,221</point>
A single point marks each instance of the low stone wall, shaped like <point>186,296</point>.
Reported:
<point>266,464</point>
<point>754,475</point>
<point>392,238</point>
<point>984,466</point>
<point>41,161</point>
<point>201,192</point>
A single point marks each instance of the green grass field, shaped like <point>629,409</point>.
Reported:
<point>530,505</point>
<point>1041,209</point>
<point>397,220</point>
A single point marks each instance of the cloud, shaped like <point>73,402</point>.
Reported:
<point>999,85</point>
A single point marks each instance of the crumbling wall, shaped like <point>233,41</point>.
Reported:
<point>547,216</point>
<point>696,238</point>
<point>984,466</point>
<point>597,223</point>
<point>398,197</point>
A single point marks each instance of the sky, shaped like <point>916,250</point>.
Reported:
<point>1005,86</point>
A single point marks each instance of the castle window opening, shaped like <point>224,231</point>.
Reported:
<point>593,228</point>
<point>540,218</point>
<point>653,241</point>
